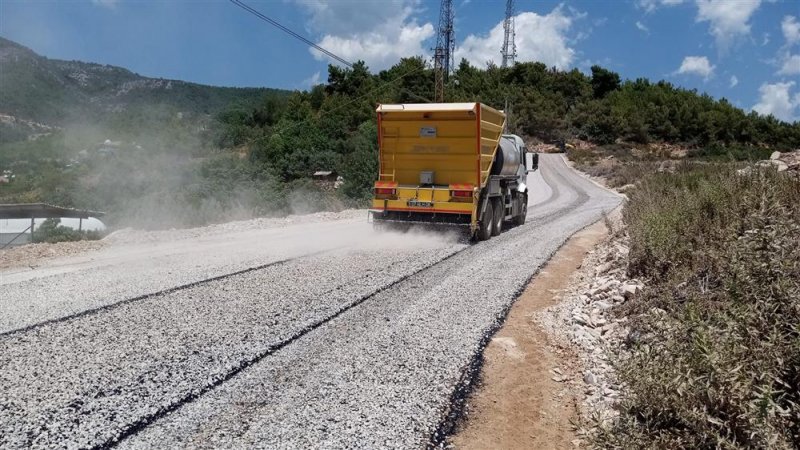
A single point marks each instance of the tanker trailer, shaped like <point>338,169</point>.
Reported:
<point>449,165</point>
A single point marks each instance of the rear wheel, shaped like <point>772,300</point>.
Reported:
<point>523,210</point>
<point>487,223</point>
<point>499,212</point>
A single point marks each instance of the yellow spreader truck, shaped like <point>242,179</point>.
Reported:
<point>449,164</point>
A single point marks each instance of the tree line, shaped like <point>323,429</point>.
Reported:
<point>332,125</point>
<point>178,167</point>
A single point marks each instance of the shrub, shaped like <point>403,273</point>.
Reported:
<point>51,231</point>
<point>715,344</point>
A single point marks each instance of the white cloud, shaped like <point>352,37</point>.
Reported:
<point>538,38</point>
<point>379,49</point>
<point>776,99</point>
<point>642,27</point>
<point>106,3</point>
<point>728,19</point>
<point>791,30</point>
<point>651,5</point>
<point>791,65</point>
<point>696,65</point>
<point>734,81</point>
<point>312,81</point>
<point>379,33</point>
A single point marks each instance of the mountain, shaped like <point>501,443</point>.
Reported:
<point>38,92</point>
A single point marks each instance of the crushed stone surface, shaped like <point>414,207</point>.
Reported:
<point>360,345</point>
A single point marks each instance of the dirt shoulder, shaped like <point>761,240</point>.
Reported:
<point>33,255</point>
<point>525,398</point>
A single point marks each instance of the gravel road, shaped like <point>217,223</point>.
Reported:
<point>328,335</point>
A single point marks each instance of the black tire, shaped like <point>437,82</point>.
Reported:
<point>486,225</point>
<point>499,212</point>
<point>520,219</point>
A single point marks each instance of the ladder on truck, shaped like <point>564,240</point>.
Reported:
<point>389,143</point>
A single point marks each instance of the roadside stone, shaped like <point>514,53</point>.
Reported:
<point>602,304</point>
<point>603,268</point>
<point>629,290</point>
<point>778,164</point>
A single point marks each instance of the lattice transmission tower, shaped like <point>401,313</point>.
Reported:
<point>444,53</point>
<point>509,50</point>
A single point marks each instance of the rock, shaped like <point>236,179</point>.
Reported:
<point>603,268</point>
<point>608,285</point>
<point>628,290</point>
<point>602,304</point>
<point>580,318</point>
<point>775,155</point>
<point>589,378</point>
<point>778,164</point>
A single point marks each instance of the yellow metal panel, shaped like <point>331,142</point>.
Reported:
<point>448,148</point>
<point>456,141</point>
<point>492,123</point>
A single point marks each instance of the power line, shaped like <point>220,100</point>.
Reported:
<point>303,39</point>
<point>288,31</point>
<point>360,97</point>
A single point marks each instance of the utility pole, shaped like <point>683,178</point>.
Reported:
<point>509,50</point>
<point>444,54</point>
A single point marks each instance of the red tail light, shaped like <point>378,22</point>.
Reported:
<point>386,190</point>
<point>461,192</point>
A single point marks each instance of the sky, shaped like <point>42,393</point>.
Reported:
<point>747,51</point>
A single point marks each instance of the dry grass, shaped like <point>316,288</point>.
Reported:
<point>714,356</point>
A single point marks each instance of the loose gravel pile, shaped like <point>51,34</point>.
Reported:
<point>362,347</point>
<point>32,255</point>
<point>131,236</point>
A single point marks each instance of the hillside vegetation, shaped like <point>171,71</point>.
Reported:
<point>58,93</point>
<point>182,154</point>
<point>714,348</point>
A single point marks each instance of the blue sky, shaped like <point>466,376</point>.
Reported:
<point>747,51</point>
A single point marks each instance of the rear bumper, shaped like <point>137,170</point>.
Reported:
<point>412,216</point>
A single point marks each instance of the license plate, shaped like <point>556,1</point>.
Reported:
<point>417,204</point>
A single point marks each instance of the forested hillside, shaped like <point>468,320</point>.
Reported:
<point>55,93</point>
<point>167,153</point>
<point>333,125</point>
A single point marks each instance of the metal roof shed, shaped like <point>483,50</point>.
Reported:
<point>43,211</point>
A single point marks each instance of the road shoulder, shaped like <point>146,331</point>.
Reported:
<point>525,398</point>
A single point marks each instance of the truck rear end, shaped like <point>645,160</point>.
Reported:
<point>435,160</point>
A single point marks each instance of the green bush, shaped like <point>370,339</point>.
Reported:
<point>715,342</point>
<point>51,231</point>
